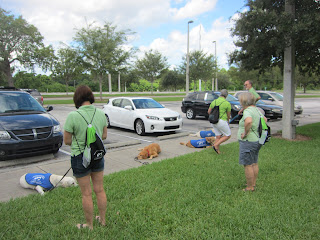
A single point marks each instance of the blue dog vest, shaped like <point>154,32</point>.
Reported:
<point>42,179</point>
<point>200,143</point>
<point>209,133</point>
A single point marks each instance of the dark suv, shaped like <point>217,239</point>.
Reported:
<point>197,104</point>
<point>26,128</point>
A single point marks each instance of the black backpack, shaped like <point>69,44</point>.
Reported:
<point>214,115</point>
<point>97,149</point>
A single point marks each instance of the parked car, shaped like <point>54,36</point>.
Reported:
<point>36,94</point>
<point>26,128</point>
<point>197,104</point>
<point>274,98</point>
<point>143,115</point>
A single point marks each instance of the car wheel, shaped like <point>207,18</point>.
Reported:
<point>55,151</point>
<point>139,127</point>
<point>190,114</point>
<point>108,121</point>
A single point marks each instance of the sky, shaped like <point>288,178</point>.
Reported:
<point>160,25</point>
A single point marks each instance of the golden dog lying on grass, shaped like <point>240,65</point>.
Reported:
<point>200,143</point>
<point>150,151</point>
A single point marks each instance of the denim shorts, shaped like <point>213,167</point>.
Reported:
<point>248,152</point>
<point>80,171</point>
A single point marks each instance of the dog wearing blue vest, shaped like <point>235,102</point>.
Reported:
<point>204,133</point>
<point>200,143</point>
<point>45,181</point>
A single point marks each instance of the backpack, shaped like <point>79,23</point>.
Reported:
<point>94,147</point>
<point>214,115</point>
<point>264,131</point>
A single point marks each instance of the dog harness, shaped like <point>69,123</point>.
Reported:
<point>209,133</point>
<point>200,143</point>
<point>41,179</point>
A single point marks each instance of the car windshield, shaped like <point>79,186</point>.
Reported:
<point>277,96</point>
<point>11,102</point>
<point>146,103</point>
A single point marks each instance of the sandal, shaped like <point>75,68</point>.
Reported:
<point>98,219</point>
<point>81,225</point>
<point>248,190</point>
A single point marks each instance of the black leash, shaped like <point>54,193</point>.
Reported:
<point>59,181</point>
<point>143,163</point>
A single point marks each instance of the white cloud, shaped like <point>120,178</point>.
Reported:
<point>193,8</point>
<point>175,46</point>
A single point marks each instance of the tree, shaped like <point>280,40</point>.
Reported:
<point>151,66</point>
<point>265,30</point>
<point>201,66</point>
<point>67,65</point>
<point>101,50</point>
<point>172,79</point>
<point>283,33</point>
<point>21,43</point>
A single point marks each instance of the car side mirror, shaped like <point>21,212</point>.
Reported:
<point>270,99</point>
<point>128,107</point>
<point>49,108</point>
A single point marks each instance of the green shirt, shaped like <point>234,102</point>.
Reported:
<point>76,125</point>
<point>224,107</point>
<point>253,135</point>
<point>255,94</point>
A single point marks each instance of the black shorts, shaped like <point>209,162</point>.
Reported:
<point>80,171</point>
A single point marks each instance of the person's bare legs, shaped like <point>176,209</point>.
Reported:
<point>255,172</point>
<point>97,181</point>
<point>87,204</point>
<point>219,141</point>
<point>249,172</point>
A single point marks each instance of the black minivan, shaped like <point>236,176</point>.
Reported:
<point>26,128</point>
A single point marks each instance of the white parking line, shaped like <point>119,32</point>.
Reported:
<point>130,137</point>
<point>65,152</point>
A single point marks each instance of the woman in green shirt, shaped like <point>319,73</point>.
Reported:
<point>75,136</point>
<point>248,138</point>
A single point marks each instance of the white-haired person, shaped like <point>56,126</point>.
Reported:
<point>221,129</point>
<point>248,137</point>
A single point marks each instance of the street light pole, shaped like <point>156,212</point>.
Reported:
<point>216,63</point>
<point>187,69</point>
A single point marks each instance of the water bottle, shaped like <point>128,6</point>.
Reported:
<point>263,137</point>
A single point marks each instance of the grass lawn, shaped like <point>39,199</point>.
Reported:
<point>195,196</point>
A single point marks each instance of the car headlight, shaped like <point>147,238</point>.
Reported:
<point>236,107</point>
<point>56,129</point>
<point>4,135</point>
<point>152,117</point>
<point>277,110</point>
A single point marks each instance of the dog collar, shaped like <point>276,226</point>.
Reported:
<point>148,153</point>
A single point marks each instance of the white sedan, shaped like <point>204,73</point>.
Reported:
<point>144,115</point>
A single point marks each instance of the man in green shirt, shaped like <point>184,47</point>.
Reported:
<point>221,129</point>
<point>248,85</point>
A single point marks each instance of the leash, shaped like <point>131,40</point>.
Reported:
<point>235,117</point>
<point>143,163</point>
<point>59,181</point>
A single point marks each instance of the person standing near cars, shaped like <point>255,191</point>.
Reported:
<point>248,137</point>
<point>248,86</point>
<point>75,135</point>
<point>221,129</point>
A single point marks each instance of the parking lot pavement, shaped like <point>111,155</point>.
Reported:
<point>116,159</point>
